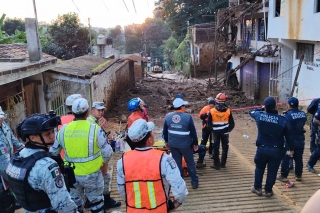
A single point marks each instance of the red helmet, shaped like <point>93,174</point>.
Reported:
<point>221,97</point>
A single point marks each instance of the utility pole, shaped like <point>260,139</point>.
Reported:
<point>37,27</point>
<point>90,36</point>
<point>215,46</point>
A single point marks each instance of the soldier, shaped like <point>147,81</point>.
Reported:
<point>96,117</point>
<point>157,174</point>
<point>34,176</point>
<point>272,129</point>
<point>90,152</point>
<point>7,144</point>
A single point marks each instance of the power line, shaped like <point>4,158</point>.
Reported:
<point>105,5</point>
<point>76,6</point>
<point>125,5</point>
<point>134,6</point>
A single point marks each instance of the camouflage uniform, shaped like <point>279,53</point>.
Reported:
<point>45,175</point>
<point>170,177</point>
<point>92,184</point>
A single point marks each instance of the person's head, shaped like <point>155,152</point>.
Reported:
<point>39,129</point>
<point>2,115</point>
<point>211,102</point>
<point>221,98</point>
<point>134,104</point>
<point>142,104</point>
<point>293,102</point>
<point>179,104</point>
<point>140,133</point>
<point>97,109</point>
<point>179,96</point>
<point>80,109</point>
<point>269,103</point>
<point>70,99</point>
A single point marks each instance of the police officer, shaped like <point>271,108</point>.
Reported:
<point>206,131</point>
<point>315,156</point>
<point>297,119</point>
<point>96,117</point>
<point>180,135</point>
<point>157,174</point>
<point>34,177</point>
<point>312,109</point>
<point>85,146</point>
<point>222,123</point>
<point>272,129</point>
<point>7,144</point>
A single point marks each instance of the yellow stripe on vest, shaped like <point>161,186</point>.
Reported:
<point>137,195</point>
<point>152,196</point>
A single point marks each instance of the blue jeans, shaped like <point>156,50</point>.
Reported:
<point>267,157</point>
<point>313,130</point>
<point>314,157</point>
<point>297,157</point>
<point>187,153</point>
<point>202,152</point>
<point>207,135</point>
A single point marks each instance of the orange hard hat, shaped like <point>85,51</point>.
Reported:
<point>221,97</point>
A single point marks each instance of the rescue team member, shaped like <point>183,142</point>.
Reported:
<point>65,119</point>
<point>222,122</point>
<point>86,146</point>
<point>272,129</point>
<point>297,119</point>
<point>96,117</point>
<point>206,131</point>
<point>180,136</point>
<point>34,176</point>
<point>7,144</point>
<point>147,189</point>
<point>313,204</point>
<point>144,106</point>
<point>315,156</point>
<point>312,109</point>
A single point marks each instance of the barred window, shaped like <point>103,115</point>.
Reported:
<point>307,49</point>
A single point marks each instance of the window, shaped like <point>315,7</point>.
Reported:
<point>253,34</point>
<point>250,29</point>
<point>261,29</point>
<point>277,11</point>
<point>317,6</point>
<point>307,49</point>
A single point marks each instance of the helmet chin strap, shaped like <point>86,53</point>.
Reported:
<point>44,143</point>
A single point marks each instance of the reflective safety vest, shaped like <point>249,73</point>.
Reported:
<point>133,117</point>
<point>220,120</point>
<point>79,140</point>
<point>144,187</point>
<point>65,120</point>
<point>92,119</point>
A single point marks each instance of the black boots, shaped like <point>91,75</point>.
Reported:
<point>110,202</point>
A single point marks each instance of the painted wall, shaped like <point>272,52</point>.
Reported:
<point>297,20</point>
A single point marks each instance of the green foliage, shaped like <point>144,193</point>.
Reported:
<point>11,25</point>
<point>114,32</point>
<point>182,54</point>
<point>168,48</point>
<point>68,38</point>
<point>100,66</point>
<point>133,38</point>
<point>17,37</point>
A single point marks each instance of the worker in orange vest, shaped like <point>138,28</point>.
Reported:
<point>147,189</point>
<point>221,121</point>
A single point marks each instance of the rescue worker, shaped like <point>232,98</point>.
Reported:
<point>297,119</point>
<point>315,156</point>
<point>312,109</point>
<point>96,117</point>
<point>272,129</point>
<point>206,131</point>
<point>90,152</point>
<point>157,174</point>
<point>65,119</point>
<point>8,142</point>
<point>34,176</point>
<point>144,106</point>
<point>134,106</point>
<point>222,123</point>
<point>179,134</point>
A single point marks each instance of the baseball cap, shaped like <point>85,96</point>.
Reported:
<point>80,105</point>
<point>71,98</point>
<point>269,102</point>
<point>98,105</point>
<point>2,114</point>
<point>178,102</point>
<point>139,129</point>
<point>293,102</point>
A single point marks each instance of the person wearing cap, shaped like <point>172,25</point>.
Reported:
<point>272,130</point>
<point>144,106</point>
<point>147,189</point>
<point>206,131</point>
<point>179,133</point>
<point>96,117</point>
<point>312,109</point>
<point>65,119</point>
<point>297,119</point>
<point>8,142</point>
<point>315,156</point>
<point>36,177</point>
<point>221,121</point>
<point>85,146</point>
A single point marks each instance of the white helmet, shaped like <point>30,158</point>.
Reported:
<point>71,98</point>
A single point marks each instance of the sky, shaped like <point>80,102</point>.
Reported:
<point>102,13</point>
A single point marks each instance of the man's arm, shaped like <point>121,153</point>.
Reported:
<point>316,119</point>
<point>193,132</point>
<point>106,149</point>
<point>121,180</point>
<point>288,135</point>
<point>253,113</point>
<point>231,123</point>
<point>165,131</point>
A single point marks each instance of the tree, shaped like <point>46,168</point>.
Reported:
<point>17,37</point>
<point>68,37</point>
<point>114,32</point>
<point>169,47</point>
<point>133,38</point>
<point>11,25</point>
<point>179,14</point>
